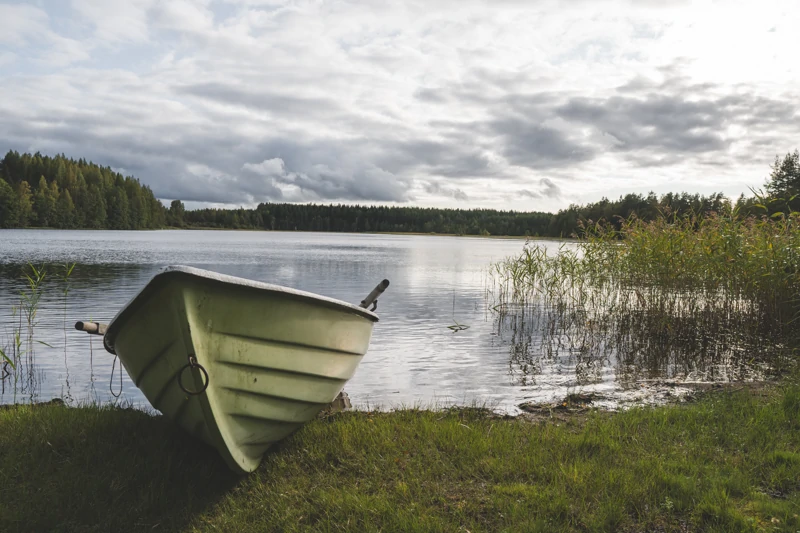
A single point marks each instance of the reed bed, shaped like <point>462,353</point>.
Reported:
<point>697,298</point>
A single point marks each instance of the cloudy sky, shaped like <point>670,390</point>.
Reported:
<point>523,104</point>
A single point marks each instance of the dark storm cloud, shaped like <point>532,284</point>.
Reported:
<point>666,126</point>
<point>658,122</point>
<point>645,123</point>
<point>535,145</point>
<point>450,157</point>
<point>159,161</point>
<point>204,164</point>
<point>368,183</point>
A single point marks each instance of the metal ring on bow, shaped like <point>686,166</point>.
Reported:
<point>193,364</point>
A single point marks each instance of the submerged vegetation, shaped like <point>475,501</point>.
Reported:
<point>714,297</point>
<point>729,462</point>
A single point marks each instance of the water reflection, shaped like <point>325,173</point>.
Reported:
<point>413,358</point>
<point>507,356</point>
<point>614,341</point>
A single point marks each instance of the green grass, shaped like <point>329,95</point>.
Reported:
<point>729,462</point>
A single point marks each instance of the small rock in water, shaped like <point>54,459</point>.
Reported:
<point>581,398</point>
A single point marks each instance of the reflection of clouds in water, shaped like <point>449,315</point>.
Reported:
<point>413,357</point>
<point>425,359</point>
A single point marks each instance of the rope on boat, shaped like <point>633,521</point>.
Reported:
<point>111,379</point>
<point>193,364</point>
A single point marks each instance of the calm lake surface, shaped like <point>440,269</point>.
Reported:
<point>414,358</point>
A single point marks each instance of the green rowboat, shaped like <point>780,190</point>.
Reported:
<point>237,363</point>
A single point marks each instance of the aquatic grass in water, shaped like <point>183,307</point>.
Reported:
<point>18,366</point>
<point>712,298</point>
<point>20,352</point>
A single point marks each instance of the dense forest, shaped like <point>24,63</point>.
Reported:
<point>429,220</point>
<point>42,191</point>
<point>345,218</point>
<point>57,192</point>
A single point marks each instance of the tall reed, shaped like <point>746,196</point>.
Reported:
<point>713,297</point>
<point>18,354</point>
<point>65,275</point>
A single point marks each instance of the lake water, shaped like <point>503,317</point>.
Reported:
<point>414,358</point>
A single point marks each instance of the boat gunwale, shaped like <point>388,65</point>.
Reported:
<point>181,271</point>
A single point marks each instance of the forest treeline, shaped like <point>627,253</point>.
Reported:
<point>42,191</point>
<point>57,192</point>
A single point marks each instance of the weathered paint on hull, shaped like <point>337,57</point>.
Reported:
<point>275,359</point>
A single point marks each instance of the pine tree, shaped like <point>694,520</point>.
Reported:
<point>24,203</point>
<point>64,216</point>
<point>61,173</point>
<point>8,206</point>
<point>117,209</point>
<point>71,182</point>
<point>53,192</point>
<point>158,214</point>
<point>95,209</point>
<point>137,213</point>
<point>42,204</point>
<point>784,180</point>
<point>12,167</point>
<point>81,198</point>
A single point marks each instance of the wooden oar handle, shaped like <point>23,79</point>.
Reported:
<point>377,291</point>
<point>93,328</point>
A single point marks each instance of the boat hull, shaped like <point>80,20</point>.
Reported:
<point>274,357</point>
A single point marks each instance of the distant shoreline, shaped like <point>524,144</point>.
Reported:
<point>520,237</point>
<point>433,234</point>
<point>202,228</point>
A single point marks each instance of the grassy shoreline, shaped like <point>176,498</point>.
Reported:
<point>727,462</point>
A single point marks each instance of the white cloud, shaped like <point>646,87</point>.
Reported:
<point>267,168</point>
<point>7,58</point>
<point>27,30</point>
<point>509,104</point>
<point>20,23</point>
<point>185,16</point>
<point>115,21</point>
